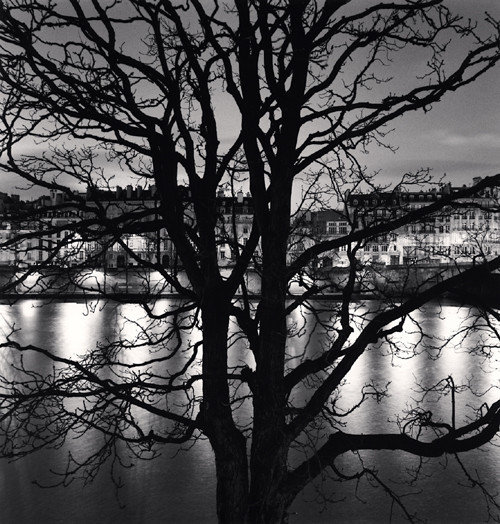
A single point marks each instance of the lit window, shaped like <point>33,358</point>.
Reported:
<point>343,228</point>
<point>331,228</point>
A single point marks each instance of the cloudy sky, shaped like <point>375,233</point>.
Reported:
<point>460,136</point>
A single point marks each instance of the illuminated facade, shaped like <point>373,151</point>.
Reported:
<point>462,233</point>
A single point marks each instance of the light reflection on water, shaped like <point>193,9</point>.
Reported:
<point>442,499</point>
<point>180,488</point>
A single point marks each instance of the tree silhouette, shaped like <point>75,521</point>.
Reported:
<point>193,97</point>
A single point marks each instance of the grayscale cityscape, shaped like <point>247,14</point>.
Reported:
<point>249,261</point>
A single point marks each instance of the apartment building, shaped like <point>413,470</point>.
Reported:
<point>234,223</point>
<point>135,207</point>
<point>468,230</point>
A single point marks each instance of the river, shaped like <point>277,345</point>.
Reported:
<point>179,487</point>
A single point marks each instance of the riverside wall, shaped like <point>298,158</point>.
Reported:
<point>373,280</point>
<point>406,280</point>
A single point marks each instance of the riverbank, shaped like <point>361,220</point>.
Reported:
<point>132,285</point>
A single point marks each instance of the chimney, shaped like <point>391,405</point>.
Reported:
<point>118,192</point>
<point>239,196</point>
<point>220,193</point>
<point>129,192</point>
<point>139,191</point>
<point>446,189</point>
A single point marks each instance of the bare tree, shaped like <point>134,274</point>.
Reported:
<point>191,97</point>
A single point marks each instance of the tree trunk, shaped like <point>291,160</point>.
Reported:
<point>268,459</point>
<point>228,444</point>
<point>270,444</point>
<point>232,476</point>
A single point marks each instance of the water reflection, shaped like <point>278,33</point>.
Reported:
<point>442,498</point>
<point>179,487</point>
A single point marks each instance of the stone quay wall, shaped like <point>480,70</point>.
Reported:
<point>374,280</point>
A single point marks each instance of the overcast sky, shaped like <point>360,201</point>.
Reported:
<point>460,136</point>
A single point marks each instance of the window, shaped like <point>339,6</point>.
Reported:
<point>343,228</point>
<point>331,228</point>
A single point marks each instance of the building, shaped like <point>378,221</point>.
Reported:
<point>133,208</point>
<point>47,232</point>
<point>462,232</point>
<point>235,214</point>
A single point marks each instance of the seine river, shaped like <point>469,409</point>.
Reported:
<point>179,487</point>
